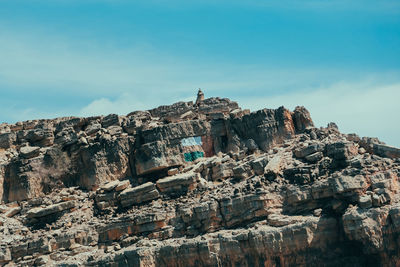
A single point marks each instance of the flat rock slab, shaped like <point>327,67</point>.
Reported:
<point>110,186</point>
<point>41,212</point>
<point>138,194</point>
<point>178,183</point>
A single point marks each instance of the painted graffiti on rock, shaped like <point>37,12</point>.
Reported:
<point>192,148</point>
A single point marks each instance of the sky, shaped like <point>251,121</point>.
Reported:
<point>340,59</point>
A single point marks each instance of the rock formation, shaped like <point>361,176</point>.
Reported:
<point>196,184</point>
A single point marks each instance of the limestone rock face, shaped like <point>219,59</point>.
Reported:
<point>196,184</point>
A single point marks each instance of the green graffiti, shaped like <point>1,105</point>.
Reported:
<point>191,156</point>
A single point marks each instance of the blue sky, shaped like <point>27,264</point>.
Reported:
<point>340,59</point>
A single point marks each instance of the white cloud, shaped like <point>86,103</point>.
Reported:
<point>103,106</point>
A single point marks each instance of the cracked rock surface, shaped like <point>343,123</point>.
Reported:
<point>205,184</point>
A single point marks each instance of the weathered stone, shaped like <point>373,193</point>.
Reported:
<point>266,127</point>
<point>365,201</point>
<point>103,161</point>
<point>178,184</point>
<point>92,128</point>
<point>122,185</point>
<point>114,130</point>
<point>7,139</point>
<point>298,175</point>
<point>258,165</point>
<point>321,189</point>
<point>29,152</point>
<point>111,120</point>
<point>12,211</point>
<point>110,186</point>
<point>332,125</point>
<point>317,156</point>
<point>5,255</point>
<point>279,220</point>
<point>66,137</point>
<point>344,184</point>
<point>156,156</point>
<point>222,171</point>
<point>243,171</point>
<point>271,190</point>
<point>42,137</point>
<point>308,150</point>
<point>55,208</point>
<point>174,131</point>
<point>138,195</point>
<point>240,209</point>
<point>173,171</point>
<point>366,226</point>
<point>274,166</point>
<point>386,151</point>
<point>302,119</point>
<point>298,195</point>
<point>341,150</point>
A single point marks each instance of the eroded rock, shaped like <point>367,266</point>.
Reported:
<point>196,184</point>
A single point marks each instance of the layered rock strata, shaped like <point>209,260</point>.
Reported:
<point>265,188</point>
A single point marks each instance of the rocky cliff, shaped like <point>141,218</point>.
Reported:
<point>196,184</point>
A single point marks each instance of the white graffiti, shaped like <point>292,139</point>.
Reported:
<point>192,141</point>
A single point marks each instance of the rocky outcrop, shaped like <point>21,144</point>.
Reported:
<point>204,184</point>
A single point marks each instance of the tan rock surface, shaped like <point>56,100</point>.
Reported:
<point>266,188</point>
